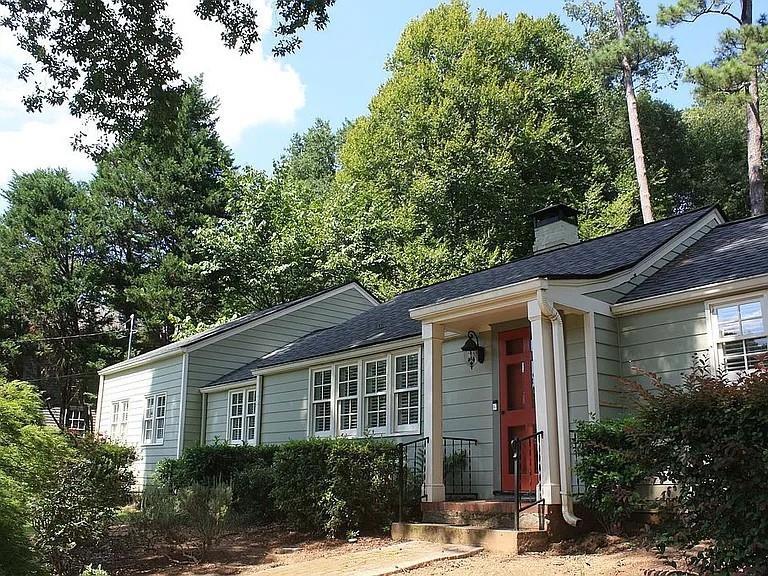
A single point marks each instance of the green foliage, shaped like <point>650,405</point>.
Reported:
<point>653,61</point>
<point>252,488</point>
<point>333,486</point>
<point>206,510</point>
<point>610,471</point>
<point>110,61</point>
<point>94,571</point>
<point>709,437</point>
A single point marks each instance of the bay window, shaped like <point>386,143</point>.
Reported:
<point>740,331</point>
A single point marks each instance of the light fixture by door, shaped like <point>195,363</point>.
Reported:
<point>473,352</point>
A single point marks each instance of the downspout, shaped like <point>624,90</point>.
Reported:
<point>561,399</point>
<point>204,417</point>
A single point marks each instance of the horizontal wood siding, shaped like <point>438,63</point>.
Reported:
<point>215,360</point>
<point>576,368</point>
<point>613,295</point>
<point>284,413</point>
<point>611,393</point>
<point>467,397</point>
<point>664,341</point>
<point>216,429</point>
<point>134,385</point>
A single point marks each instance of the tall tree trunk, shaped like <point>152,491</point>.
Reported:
<point>634,124</point>
<point>754,132</point>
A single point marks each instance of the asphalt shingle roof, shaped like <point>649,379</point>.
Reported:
<point>731,251</point>
<point>216,330</point>
<point>391,320</point>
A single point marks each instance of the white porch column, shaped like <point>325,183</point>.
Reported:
<point>546,405</point>
<point>432,338</point>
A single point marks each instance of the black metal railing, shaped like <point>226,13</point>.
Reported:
<point>412,466</point>
<point>525,457</point>
<point>457,468</point>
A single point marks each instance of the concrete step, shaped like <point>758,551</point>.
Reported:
<point>493,540</point>
<point>482,513</point>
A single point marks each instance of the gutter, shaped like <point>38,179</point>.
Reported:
<point>561,398</point>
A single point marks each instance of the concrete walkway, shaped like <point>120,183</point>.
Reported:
<point>374,562</point>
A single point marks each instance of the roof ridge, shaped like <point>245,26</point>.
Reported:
<point>581,243</point>
<point>742,220</point>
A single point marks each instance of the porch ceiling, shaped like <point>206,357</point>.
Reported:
<point>482,321</point>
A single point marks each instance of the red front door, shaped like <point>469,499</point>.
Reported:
<point>517,408</point>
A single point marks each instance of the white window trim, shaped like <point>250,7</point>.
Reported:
<point>408,428</point>
<point>245,391</point>
<point>154,418</point>
<point>82,413</point>
<point>716,362</point>
<point>121,424</point>
<point>390,429</point>
<point>332,401</point>
<point>336,416</point>
<point>387,394</point>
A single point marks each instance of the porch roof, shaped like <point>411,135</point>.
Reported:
<point>391,320</point>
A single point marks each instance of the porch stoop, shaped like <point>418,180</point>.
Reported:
<point>490,539</point>
<point>484,523</point>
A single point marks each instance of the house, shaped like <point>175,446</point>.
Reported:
<point>504,361</point>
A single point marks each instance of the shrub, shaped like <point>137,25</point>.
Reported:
<point>709,436</point>
<point>91,571</point>
<point>206,510</point>
<point>72,514</point>
<point>336,486</point>
<point>610,470</point>
<point>251,490</point>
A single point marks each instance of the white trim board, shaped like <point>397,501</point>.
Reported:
<point>181,348</point>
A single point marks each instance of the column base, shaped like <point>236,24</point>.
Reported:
<point>435,492</point>
<point>551,493</point>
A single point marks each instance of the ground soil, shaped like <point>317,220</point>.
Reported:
<point>258,549</point>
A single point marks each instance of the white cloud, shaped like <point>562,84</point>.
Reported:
<point>253,90</point>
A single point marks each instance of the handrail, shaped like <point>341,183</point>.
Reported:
<point>516,454</point>
<point>472,440</point>
<point>457,468</point>
<point>410,473</point>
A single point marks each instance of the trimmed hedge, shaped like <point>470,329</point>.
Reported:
<point>330,486</point>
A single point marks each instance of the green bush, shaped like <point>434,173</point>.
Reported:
<point>251,488</point>
<point>610,471</point>
<point>710,437</point>
<point>91,571</point>
<point>206,510</point>
<point>336,486</point>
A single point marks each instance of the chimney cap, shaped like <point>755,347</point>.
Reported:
<point>555,213</point>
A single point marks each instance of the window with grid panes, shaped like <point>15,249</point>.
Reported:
<point>407,376</point>
<point>154,419</point>
<point>346,399</point>
<point>321,402</point>
<point>742,336</point>
<point>236,408</point>
<point>376,394</point>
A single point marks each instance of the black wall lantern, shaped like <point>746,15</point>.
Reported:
<point>473,352</point>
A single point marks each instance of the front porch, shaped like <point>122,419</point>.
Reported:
<point>496,434</point>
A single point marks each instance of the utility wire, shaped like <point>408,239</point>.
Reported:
<point>74,336</point>
<point>57,377</point>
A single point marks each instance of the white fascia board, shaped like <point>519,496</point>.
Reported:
<point>229,386</point>
<point>478,302</point>
<point>269,317</point>
<point>359,352</point>
<point>571,297</point>
<point>139,361</point>
<point>608,282</point>
<point>680,297</point>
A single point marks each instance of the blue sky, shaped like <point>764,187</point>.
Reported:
<point>264,100</point>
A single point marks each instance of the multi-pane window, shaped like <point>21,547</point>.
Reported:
<point>154,419</point>
<point>346,394</point>
<point>243,408</point>
<point>119,419</point>
<point>236,409</point>
<point>376,394</point>
<point>321,401</point>
<point>407,392</point>
<point>379,396</point>
<point>76,419</point>
<point>741,333</point>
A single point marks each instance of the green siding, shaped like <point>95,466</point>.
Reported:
<point>664,341</point>
<point>284,414</point>
<point>576,368</point>
<point>215,360</point>
<point>611,393</point>
<point>134,385</point>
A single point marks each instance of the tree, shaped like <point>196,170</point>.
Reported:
<point>456,152</point>
<point>623,50</point>
<point>740,63</point>
<point>53,287</point>
<point>156,191</point>
<point>110,60</point>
